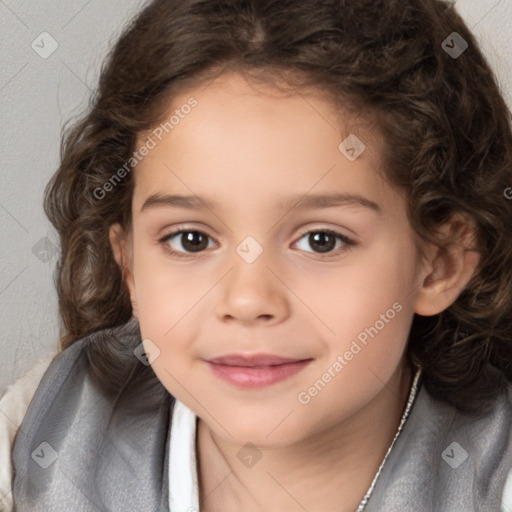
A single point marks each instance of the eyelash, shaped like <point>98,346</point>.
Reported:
<point>349,242</point>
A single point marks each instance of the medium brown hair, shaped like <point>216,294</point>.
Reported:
<point>448,144</point>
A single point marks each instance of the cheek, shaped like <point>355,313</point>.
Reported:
<point>374,282</point>
<point>165,305</point>
<point>168,326</point>
<point>163,290</point>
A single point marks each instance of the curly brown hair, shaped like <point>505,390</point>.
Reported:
<point>444,120</point>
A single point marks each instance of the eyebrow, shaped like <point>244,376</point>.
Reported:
<point>299,201</point>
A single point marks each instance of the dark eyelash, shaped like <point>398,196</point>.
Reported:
<point>342,237</point>
<point>349,242</point>
<point>167,248</point>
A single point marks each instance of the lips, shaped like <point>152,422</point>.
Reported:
<point>255,370</point>
<point>252,360</point>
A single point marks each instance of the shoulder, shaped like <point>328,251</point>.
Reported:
<point>124,440</point>
<point>488,440</point>
<point>17,403</point>
<point>13,406</point>
<point>439,438</point>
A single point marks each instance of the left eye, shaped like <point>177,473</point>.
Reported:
<point>325,240</point>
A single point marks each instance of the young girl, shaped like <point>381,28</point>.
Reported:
<point>285,282</point>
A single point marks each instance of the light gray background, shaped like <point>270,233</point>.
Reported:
<point>38,95</point>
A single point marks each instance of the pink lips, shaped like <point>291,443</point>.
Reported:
<point>256,370</point>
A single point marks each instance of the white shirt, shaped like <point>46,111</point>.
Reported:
<point>183,488</point>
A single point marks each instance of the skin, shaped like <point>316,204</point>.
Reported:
<point>246,148</point>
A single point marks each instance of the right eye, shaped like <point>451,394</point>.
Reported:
<point>191,241</point>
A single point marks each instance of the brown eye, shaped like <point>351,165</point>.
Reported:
<point>191,241</point>
<point>325,241</point>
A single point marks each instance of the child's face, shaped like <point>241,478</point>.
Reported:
<point>347,310</point>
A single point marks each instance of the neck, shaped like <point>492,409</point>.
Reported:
<point>329,471</point>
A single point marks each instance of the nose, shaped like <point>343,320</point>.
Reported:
<point>252,293</point>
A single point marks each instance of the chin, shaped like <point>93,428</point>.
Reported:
<point>261,434</point>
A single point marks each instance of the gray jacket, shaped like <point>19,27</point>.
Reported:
<point>83,448</point>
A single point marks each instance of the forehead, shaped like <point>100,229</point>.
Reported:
<point>273,100</point>
<point>242,136</point>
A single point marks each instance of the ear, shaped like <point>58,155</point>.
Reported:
<point>119,242</point>
<point>448,271</point>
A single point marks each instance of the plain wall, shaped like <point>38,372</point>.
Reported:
<point>39,94</point>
